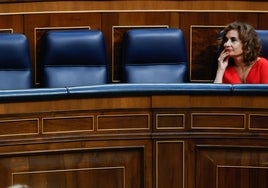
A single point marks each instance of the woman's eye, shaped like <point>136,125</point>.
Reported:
<point>233,39</point>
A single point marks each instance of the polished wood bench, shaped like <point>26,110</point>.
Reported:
<point>135,135</point>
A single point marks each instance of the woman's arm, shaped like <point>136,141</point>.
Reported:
<point>219,76</point>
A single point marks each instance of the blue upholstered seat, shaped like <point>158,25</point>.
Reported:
<point>73,58</point>
<point>263,35</point>
<point>156,55</point>
<point>15,63</point>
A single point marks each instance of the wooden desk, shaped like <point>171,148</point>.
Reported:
<point>143,141</point>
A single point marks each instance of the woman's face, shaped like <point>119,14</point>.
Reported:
<point>233,44</point>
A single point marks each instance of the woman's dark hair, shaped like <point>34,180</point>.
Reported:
<point>249,38</point>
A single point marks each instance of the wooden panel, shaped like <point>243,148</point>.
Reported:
<point>123,122</point>
<point>217,121</point>
<point>200,5</point>
<point>232,167</point>
<point>258,121</point>
<point>135,141</point>
<point>169,164</point>
<point>67,124</point>
<point>210,101</point>
<point>170,121</point>
<point>103,167</point>
<point>203,58</point>
<point>22,1</point>
<point>13,22</point>
<point>65,178</point>
<point>262,21</point>
<point>148,18</point>
<point>16,126</point>
<point>74,104</point>
<point>242,177</point>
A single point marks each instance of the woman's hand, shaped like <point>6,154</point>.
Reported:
<point>223,61</point>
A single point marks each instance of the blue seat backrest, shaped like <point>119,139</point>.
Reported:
<point>263,35</point>
<point>156,55</point>
<point>15,62</point>
<point>73,58</point>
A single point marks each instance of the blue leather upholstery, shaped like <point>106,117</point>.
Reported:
<point>73,58</point>
<point>33,94</point>
<point>250,89</point>
<point>150,89</point>
<point>263,35</point>
<point>156,55</point>
<point>125,89</point>
<point>15,63</point>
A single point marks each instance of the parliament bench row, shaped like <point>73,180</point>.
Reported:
<point>78,58</point>
<point>70,58</point>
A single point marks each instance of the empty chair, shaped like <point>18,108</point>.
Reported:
<point>15,62</point>
<point>156,55</point>
<point>73,58</point>
<point>263,35</point>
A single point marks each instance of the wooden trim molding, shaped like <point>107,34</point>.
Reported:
<point>38,7</point>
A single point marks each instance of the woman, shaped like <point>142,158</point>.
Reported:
<point>239,61</point>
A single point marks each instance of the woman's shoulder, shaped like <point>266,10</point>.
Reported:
<point>261,63</point>
<point>262,60</point>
